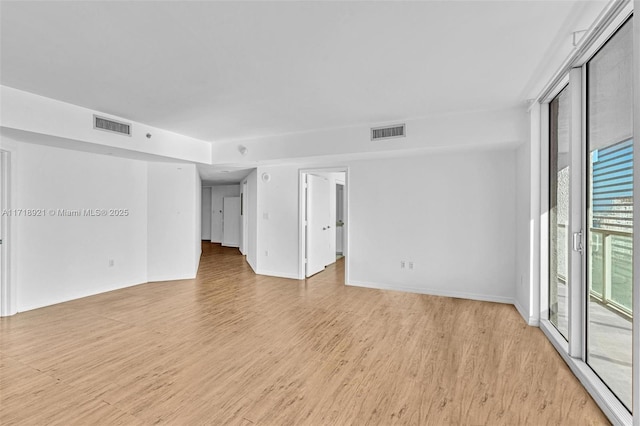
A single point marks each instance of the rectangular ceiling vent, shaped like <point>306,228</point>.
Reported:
<point>113,126</point>
<point>388,132</point>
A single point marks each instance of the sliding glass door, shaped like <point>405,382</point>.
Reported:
<point>559,140</point>
<point>610,213</point>
<point>589,302</point>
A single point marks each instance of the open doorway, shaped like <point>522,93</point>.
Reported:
<point>225,214</point>
<point>205,213</point>
<point>323,220</point>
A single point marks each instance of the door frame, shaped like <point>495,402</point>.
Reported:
<point>302,211</point>
<point>244,226</point>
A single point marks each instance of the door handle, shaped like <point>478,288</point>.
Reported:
<point>577,241</point>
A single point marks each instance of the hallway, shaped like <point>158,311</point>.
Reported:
<point>231,347</point>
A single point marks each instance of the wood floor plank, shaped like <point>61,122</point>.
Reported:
<point>234,348</point>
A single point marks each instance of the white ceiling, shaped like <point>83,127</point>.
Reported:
<point>234,70</point>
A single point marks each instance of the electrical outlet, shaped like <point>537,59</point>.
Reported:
<point>402,264</point>
<point>265,216</point>
<point>266,253</point>
<point>111,263</point>
<point>410,265</point>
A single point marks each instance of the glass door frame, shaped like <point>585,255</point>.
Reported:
<point>545,118</point>
<point>574,350</point>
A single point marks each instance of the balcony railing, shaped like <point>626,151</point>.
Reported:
<point>611,274</point>
<point>610,267</point>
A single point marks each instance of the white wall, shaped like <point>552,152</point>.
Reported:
<point>38,114</point>
<point>206,213</point>
<point>456,138</point>
<point>197,240</point>
<point>452,215</point>
<point>523,228</point>
<point>58,258</point>
<point>173,225</point>
<point>468,130</point>
<point>277,209</point>
<point>531,220</point>
<point>218,192</point>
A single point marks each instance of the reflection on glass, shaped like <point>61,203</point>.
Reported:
<point>559,210</point>
<point>610,213</point>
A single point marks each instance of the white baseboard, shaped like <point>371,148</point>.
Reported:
<point>278,274</point>
<point>532,321</point>
<point>251,265</point>
<point>434,292</point>
<point>80,295</point>
<point>160,278</point>
<point>198,263</point>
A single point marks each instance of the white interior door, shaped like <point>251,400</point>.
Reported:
<point>339,218</point>
<point>318,222</point>
<point>231,221</point>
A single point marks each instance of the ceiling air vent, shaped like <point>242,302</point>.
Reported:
<point>109,125</point>
<point>388,132</point>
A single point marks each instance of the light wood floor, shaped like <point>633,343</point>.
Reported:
<point>234,348</point>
